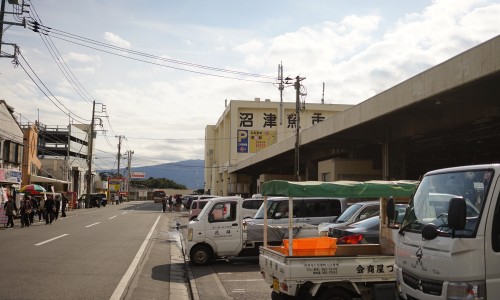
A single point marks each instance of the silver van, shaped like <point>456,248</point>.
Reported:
<point>305,210</point>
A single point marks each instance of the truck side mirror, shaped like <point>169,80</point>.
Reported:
<point>211,218</point>
<point>457,213</point>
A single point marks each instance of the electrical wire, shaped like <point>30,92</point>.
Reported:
<point>64,36</point>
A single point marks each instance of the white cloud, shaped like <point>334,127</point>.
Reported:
<point>116,40</point>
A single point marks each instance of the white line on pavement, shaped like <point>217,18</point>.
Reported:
<point>112,217</point>
<point>92,224</point>
<point>117,294</point>
<point>124,212</point>
<point>57,237</point>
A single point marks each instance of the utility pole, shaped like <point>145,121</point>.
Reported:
<point>297,124</point>
<point>129,165</point>
<point>281,87</point>
<point>2,22</point>
<point>119,155</point>
<point>89,157</point>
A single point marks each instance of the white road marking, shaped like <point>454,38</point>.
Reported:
<point>47,241</point>
<point>120,288</point>
<point>112,217</point>
<point>92,224</point>
<point>124,212</point>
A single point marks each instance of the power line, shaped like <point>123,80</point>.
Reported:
<point>62,35</point>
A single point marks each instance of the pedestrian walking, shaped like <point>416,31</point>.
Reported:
<point>57,203</point>
<point>34,209</point>
<point>25,210</point>
<point>49,210</point>
<point>10,211</point>
<point>170,203</point>
<point>116,199</point>
<point>41,208</point>
<point>120,199</point>
<point>64,204</point>
<point>178,202</point>
<point>164,203</point>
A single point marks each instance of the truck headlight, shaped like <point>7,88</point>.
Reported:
<point>190,234</point>
<point>466,290</point>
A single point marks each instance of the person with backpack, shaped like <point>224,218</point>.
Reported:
<point>10,210</point>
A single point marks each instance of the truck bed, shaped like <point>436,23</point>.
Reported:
<point>355,263</point>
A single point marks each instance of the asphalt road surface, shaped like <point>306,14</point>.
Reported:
<point>126,251</point>
<point>117,252</point>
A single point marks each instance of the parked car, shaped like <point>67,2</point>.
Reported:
<point>354,213</point>
<point>366,231</point>
<point>305,210</point>
<point>362,232</point>
<point>250,206</point>
<point>96,200</point>
<point>197,205</point>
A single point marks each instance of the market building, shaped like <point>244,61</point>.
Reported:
<point>448,115</point>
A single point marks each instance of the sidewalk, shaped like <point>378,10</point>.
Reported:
<point>177,258</point>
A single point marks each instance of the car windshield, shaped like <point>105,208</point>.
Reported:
<point>431,200</point>
<point>348,213</point>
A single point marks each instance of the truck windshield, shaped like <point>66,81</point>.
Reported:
<point>431,200</point>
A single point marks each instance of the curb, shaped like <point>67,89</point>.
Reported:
<point>192,284</point>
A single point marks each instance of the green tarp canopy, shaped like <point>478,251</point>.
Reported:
<point>341,189</point>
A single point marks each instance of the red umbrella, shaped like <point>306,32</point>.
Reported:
<point>33,189</point>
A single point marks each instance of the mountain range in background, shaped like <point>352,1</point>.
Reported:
<point>188,172</point>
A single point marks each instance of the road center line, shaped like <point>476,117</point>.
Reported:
<point>124,212</point>
<point>47,241</point>
<point>120,288</point>
<point>112,217</point>
<point>92,224</point>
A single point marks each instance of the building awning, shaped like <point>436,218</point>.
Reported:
<point>36,178</point>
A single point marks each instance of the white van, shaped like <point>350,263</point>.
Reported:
<point>305,210</point>
<point>250,206</point>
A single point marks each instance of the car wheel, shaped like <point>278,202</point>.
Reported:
<point>200,255</point>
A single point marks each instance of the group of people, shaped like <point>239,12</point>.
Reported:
<point>46,209</point>
<point>170,201</point>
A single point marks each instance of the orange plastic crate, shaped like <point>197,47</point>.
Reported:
<point>317,246</point>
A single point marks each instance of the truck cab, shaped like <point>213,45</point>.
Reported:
<point>449,244</point>
<point>217,231</point>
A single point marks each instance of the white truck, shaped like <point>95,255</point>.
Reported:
<point>362,271</point>
<point>220,231</point>
<point>449,244</point>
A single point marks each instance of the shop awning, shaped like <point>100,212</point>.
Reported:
<point>41,179</point>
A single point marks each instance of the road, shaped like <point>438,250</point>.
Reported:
<point>126,251</point>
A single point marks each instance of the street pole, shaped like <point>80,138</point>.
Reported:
<point>297,129</point>
<point>119,155</point>
<point>130,152</point>
<point>89,157</point>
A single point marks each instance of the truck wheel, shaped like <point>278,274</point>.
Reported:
<point>200,255</point>
<point>278,296</point>
<point>334,294</point>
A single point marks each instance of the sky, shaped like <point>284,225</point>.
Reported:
<point>161,71</point>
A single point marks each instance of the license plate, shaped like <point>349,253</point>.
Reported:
<point>276,285</point>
